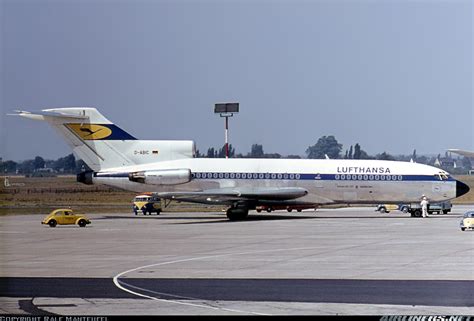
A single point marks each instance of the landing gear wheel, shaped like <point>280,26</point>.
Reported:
<point>237,214</point>
<point>417,213</point>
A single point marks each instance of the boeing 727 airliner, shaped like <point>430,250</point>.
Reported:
<point>169,169</point>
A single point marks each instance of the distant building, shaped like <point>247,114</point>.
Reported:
<point>44,172</point>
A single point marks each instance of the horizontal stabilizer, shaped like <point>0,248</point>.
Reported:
<point>104,145</point>
<point>40,115</point>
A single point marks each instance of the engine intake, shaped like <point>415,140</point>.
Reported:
<point>85,177</point>
<point>162,177</point>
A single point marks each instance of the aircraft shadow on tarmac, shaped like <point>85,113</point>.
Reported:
<point>207,219</point>
<point>253,218</point>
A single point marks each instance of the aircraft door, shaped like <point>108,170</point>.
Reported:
<point>350,196</point>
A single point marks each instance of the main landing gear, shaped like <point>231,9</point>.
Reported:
<point>236,213</point>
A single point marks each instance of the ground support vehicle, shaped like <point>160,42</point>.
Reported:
<point>438,208</point>
<point>146,204</point>
<point>386,208</point>
<point>289,208</point>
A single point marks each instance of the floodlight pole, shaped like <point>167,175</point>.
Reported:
<point>226,136</point>
<point>226,110</point>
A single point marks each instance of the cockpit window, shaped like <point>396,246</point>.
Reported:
<point>442,176</point>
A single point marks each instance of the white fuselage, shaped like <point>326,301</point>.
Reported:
<point>327,181</point>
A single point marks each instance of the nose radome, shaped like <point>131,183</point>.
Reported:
<point>461,188</point>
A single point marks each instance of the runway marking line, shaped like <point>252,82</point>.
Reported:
<point>119,283</point>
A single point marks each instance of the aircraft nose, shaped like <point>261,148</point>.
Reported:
<point>461,188</point>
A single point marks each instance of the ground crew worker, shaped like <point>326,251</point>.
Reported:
<point>424,206</point>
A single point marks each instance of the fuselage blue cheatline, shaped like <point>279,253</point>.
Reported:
<point>169,169</point>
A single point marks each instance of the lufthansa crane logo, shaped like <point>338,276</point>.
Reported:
<point>90,131</point>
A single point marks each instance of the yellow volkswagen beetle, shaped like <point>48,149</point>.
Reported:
<point>65,217</point>
<point>467,221</point>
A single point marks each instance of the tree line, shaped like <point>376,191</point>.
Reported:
<point>325,147</point>
<point>256,151</point>
<point>44,167</point>
<point>329,147</point>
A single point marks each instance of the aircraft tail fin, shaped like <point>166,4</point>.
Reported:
<point>102,144</point>
<point>466,153</point>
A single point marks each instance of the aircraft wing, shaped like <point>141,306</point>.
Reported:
<point>230,195</point>
<point>462,152</point>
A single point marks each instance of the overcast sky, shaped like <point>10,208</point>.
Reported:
<point>390,75</point>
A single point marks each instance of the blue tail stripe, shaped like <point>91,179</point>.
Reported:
<point>117,133</point>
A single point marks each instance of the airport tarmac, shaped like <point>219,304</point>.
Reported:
<point>349,261</point>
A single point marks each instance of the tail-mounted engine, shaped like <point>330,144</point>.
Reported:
<point>85,177</point>
<point>162,177</point>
